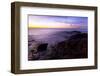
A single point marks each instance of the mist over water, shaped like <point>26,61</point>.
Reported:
<point>52,35</point>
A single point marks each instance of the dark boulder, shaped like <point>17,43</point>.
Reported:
<point>42,47</point>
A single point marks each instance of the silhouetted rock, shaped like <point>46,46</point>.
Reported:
<point>78,36</point>
<point>76,46</point>
<point>42,47</point>
<point>38,52</point>
<point>76,32</point>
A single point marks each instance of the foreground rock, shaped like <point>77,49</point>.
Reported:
<point>72,48</point>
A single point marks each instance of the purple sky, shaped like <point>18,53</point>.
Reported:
<point>41,21</point>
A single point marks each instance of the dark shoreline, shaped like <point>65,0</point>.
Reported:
<point>73,47</point>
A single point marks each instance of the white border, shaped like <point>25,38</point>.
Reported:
<point>25,64</point>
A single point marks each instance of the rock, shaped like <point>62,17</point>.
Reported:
<point>42,47</point>
<point>76,46</point>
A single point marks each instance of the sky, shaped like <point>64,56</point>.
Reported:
<point>43,21</point>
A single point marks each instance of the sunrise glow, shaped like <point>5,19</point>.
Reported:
<point>55,22</point>
<point>51,26</point>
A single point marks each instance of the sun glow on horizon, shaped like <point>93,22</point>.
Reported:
<point>51,26</point>
<point>56,22</point>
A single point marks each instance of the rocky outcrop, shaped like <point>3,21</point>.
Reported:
<point>76,46</point>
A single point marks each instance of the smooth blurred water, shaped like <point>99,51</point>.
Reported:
<point>52,35</point>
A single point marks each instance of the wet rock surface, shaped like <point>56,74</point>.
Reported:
<point>76,46</point>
